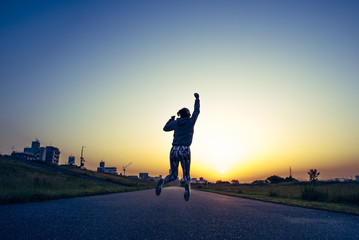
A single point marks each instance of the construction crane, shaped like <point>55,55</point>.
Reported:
<point>124,168</point>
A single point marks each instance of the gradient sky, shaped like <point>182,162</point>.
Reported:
<point>278,82</point>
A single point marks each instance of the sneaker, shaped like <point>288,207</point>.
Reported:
<point>187,191</point>
<point>159,187</point>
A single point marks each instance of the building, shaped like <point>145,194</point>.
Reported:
<point>35,146</point>
<point>52,155</point>
<point>103,169</point>
<point>144,176</point>
<point>23,155</point>
<point>357,178</point>
<point>41,154</point>
<point>71,160</point>
<point>111,170</point>
<point>343,180</point>
<point>48,154</point>
<point>102,164</point>
<point>200,181</point>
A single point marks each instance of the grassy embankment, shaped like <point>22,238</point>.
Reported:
<point>22,182</point>
<point>331,196</point>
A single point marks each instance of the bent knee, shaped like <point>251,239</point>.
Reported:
<point>172,177</point>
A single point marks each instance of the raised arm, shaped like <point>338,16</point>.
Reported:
<point>196,108</point>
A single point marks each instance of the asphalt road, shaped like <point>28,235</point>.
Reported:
<point>143,215</point>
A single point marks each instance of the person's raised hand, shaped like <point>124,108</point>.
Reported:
<point>196,95</point>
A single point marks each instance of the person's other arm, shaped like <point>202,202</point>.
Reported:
<point>170,125</point>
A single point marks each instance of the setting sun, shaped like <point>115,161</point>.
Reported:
<point>222,149</point>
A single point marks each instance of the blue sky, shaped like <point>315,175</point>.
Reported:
<point>278,82</point>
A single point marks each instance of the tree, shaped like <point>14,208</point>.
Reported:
<point>220,182</point>
<point>275,179</point>
<point>313,175</point>
<point>235,182</point>
<point>260,182</point>
<point>290,179</point>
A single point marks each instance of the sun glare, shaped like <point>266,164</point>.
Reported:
<point>223,153</point>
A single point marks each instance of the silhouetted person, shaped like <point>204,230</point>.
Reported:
<point>180,151</point>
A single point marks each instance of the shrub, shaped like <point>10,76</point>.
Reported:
<point>311,193</point>
<point>275,179</point>
<point>273,194</point>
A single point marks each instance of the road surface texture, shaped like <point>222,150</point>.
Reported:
<point>143,215</point>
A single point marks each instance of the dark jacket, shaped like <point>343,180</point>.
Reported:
<point>183,127</point>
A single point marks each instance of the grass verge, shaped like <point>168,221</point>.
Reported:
<point>123,180</point>
<point>336,197</point>
<point>22,182</point>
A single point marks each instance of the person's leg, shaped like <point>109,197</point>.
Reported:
<point>185,158</point>
<point>174,162</point>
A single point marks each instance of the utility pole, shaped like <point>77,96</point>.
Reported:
<point>82,159</point>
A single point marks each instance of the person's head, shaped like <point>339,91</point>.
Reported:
<point>184,113</point>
